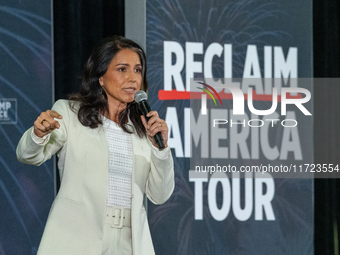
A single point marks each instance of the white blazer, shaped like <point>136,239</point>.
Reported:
<point>76,220</point>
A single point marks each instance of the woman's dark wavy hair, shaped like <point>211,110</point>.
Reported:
<point>92,98</point>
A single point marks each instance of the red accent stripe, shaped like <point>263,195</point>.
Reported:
<point>182,95</point>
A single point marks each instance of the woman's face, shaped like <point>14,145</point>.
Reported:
<point>123,77</point>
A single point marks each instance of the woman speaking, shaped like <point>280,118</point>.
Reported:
<point>108,158</point>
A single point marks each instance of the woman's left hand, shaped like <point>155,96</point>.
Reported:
<point>155,125</point>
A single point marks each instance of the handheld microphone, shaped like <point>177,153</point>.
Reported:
<point>142,99</point>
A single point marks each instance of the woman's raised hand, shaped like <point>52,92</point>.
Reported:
<point>155,125</point>
<point>46,123</point>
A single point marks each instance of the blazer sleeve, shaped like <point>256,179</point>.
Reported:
<point>161,181</point>
<point>34,154</point>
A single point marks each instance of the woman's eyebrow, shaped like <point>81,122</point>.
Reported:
<point>126,64</point>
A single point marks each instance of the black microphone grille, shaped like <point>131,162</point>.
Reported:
<point>140,96</point>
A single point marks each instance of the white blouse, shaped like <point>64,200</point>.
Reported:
<point>120,165</point>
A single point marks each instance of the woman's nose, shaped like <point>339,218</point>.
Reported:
<point>132,76</point>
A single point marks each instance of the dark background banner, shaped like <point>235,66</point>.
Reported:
<point>26,89</point>
<point>186,26</point>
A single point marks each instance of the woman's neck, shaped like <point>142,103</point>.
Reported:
<point>114,110</point>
